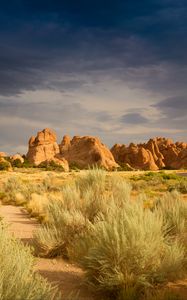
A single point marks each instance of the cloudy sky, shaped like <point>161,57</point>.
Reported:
<point>114,69</point>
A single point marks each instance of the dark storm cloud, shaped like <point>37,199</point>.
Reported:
<point>174,107</point>
<point>133,118</point>
<point>41,39</point>
<point>71,46</point>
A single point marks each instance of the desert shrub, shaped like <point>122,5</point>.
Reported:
<point>18,191</point>
<point>124,247</point>
<point>174,211</point>
<point>51,166</point>
<point>180,187</point>
<point>74,166</point>
<point>12,186</point>
<point>17,277</point>
<point>57,238</point>
<point>73,213</point>
<point>37,206</point>
<point>94,178</point>
<point>17,163</point>
<point>4,165</point>
<point>128,251</point>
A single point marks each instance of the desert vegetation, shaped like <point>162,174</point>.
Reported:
<point>18,279</point>
<point>128,234</point>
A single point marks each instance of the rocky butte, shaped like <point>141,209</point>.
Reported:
<point>79,151</point>
<point>86,151</point>
<point>157,153</point>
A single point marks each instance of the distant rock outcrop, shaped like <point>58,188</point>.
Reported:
<point>157,153</point>
<point>87,151</point>
<point>136,156</point>
<point>44,148</point>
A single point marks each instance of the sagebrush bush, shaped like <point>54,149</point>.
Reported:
<point>128,251</point>
<point>4,165</point>
<point>124,246</point>
<point>18,281</point>
<point>37,206</point>
<point>174,211</point>
<point>71,214</point>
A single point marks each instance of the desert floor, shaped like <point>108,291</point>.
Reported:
<point>67,276</point>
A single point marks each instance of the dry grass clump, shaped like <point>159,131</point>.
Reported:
<point>37,206</point>
<point>125,247</point>
<point>129,251</point>
<point>17,191</point>
<point>18,281</point>
<point>76,209</point>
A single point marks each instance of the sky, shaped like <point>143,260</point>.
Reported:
<point>113,69</point>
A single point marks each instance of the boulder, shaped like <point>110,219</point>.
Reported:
<point>87,151</point>
<point>43,147</point>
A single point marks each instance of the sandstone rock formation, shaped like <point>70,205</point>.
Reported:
<point>44,148</point>
<point>136,156</point>
<point>156,154</point>
<point>87,151</point>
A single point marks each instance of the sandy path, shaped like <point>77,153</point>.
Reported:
<point>67,276</point>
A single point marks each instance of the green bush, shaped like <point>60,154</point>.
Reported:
<point>51,166</point>
<point>129,251</point>
<point>174,211</point>
<point>79,206</point>
<point>180,187</point>
<point>4,165</point>
<point>124,248</point>
<point>17,163</point>
<point>18,281</point>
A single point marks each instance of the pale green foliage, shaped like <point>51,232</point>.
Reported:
<point>128,250</point>
<point>17,191</point>
<point>80,204</point>
<point>58,236</point>
<point>124,248</point>
<point>18,281</point>
<point>174,211</point>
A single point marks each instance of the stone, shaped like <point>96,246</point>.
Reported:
<point>43,147</point>
<point>87,151</point>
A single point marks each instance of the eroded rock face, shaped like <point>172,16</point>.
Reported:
<point>156,154</point>
<point>43,147</point>
<point>136,156</point>
<point>87,151</point>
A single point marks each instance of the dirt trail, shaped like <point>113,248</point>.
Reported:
<point>67,276</point>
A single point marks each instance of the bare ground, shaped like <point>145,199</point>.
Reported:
<point>67,276</point>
